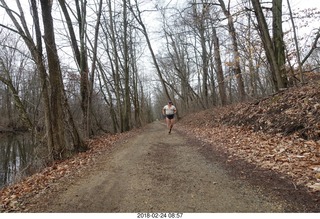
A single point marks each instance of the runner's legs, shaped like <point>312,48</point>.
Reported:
<point>171,123</point>
<point>168,122</point>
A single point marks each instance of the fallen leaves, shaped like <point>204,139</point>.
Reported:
<point>14,198</point>
<point>294,157</point>
<point>280,133</point>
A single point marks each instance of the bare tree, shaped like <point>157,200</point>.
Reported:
<point>7,80</point>
<point>278,44</point>
<point>268,45</point>
<point>59,103</point>
<point>220,76</point>
<point>135,10</point>
<point>175,65</point>
<point>235,50</point>
<point>13,66</point>
<point>127,102</point>
<point>55,79</point>
<point>56,107</point>
<point>80,52</point>
<point>296,43</point>
<point>36,52</point>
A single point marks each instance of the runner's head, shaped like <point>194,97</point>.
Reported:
<point>169,102</point>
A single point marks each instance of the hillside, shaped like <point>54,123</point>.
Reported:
<point>279,133</point>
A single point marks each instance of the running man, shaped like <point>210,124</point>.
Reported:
<point>169,111</point>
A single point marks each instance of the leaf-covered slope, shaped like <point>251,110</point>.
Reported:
<point>279,133</point>
<point>295,111</point>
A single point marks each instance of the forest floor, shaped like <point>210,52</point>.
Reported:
<point>264,156</point>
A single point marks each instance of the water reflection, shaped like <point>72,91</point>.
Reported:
<point>16,155</point>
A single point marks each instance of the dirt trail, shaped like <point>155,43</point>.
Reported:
<point>157,172</point>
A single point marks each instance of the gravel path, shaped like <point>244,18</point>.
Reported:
<point>158,172</point>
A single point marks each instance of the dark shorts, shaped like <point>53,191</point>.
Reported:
<point>170,116</point>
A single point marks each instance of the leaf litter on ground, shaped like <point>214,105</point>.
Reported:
<point>14,198</point>
<point>280,132</point>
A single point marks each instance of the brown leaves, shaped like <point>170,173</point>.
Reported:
<point>15,197</point>
<point>280,133</point>
<point>295,111</point>
<point>291,156</point>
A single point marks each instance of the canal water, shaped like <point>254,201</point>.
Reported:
<point>16,157</point>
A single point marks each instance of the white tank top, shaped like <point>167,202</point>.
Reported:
<point>169,111</point>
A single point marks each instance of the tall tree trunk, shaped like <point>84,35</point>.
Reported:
<point>55,78</point>
<point>220,77</point>
<point>81,58</point>
<point>200,20</point>
<point>127,102</point>
<point>135,84</point>
<point>136,102</point>
<point>268,45</point>
<point>115,63</point>
<point>36,52</point>
<point>108,97</point>
<point>235,49</point>
<point>296,44</point>
<point>93,66</point>
<point>278,44</point>
<point>204,57</point>
<point>61,113</point>
<point>84,68</point>
<point>253,76</point>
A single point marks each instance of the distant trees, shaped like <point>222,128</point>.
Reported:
<point>252,60</point>
<point>71,69</point>
<point>12,83</point>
